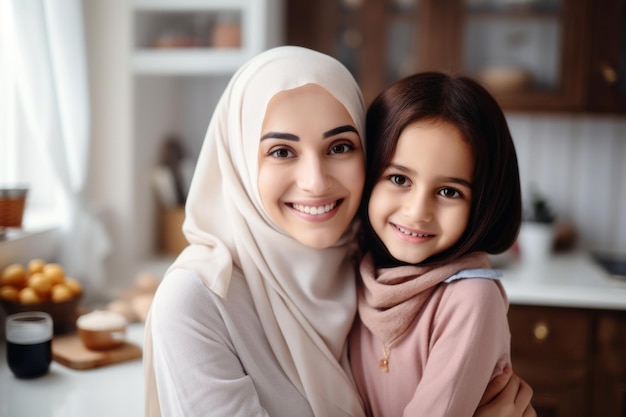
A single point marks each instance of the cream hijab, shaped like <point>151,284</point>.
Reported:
<point>305,298</point>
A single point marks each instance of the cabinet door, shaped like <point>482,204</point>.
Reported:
<point>529,53</point>
<point>559,389</point>
<point>551,350</point>
<point>377,40</point>
<point>610,376</point>
<point>607,75</point>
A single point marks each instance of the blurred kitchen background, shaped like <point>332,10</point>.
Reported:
<point>154,69</point>
<point>556,66</point>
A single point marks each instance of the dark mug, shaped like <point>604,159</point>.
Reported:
<point>29,343</point>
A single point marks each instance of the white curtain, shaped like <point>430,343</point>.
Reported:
<point>52,93</point>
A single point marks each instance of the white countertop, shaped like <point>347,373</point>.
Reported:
<point>564,280</point>
<point>109,391</point>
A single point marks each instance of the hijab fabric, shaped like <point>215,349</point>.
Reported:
<point>305,298</point>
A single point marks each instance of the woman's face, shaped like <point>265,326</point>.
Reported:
<point>311,165</point>
<point>421,204</point>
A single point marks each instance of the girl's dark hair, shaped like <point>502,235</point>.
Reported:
<point>496,208</point>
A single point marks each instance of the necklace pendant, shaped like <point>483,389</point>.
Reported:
<point>383,364</point>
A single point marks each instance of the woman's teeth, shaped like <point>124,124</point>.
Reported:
<point>315,210</point>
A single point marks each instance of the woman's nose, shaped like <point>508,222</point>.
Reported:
<point>313,175</point>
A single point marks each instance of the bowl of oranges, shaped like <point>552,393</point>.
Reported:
<point>41,286</point>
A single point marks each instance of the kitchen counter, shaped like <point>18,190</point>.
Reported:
<point>113,390</point>
<point>563,280</point>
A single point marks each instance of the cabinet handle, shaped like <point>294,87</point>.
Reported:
<point>352,38</point>
<point>541,331</point>
<point>608,73</point>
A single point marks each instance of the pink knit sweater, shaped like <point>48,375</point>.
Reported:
<point>441,366</point>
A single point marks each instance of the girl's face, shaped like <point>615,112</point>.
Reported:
<point>311,165</point>
<point>421,204</point>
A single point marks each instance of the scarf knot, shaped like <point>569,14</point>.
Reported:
<point>391,298</point>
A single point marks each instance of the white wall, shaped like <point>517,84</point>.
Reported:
<point>579,163</point>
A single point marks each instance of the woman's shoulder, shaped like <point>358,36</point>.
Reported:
<point>184,292</point>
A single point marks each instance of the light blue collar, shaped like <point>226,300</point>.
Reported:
<point>487,273</point>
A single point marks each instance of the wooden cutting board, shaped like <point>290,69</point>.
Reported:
<point>68,350</point>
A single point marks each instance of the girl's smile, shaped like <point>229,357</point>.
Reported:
<point>421,204</point>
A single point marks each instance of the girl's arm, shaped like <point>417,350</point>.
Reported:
<point>469,345</point>
<point>507,395</point>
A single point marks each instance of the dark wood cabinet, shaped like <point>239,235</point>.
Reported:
<point>574,359</point>
<point>610,366</point>
<point>607,63</point>
<point>534,55</point>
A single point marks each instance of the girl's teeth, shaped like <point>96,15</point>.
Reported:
<point>315,210</point>
<point>406,232</point>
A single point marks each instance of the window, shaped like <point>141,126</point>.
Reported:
<point>23,161</point>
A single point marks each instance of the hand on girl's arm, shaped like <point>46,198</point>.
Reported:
<point>507,395</point>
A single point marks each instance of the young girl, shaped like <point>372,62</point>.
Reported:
<point>442,191</point>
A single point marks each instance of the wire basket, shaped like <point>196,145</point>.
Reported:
<point>12,203</point>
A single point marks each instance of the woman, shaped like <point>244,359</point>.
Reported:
<point>252,318</point>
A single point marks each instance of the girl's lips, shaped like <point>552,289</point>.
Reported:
<point>411,236</point>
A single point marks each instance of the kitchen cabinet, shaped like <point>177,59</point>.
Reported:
<point>182,54</point>
<point>607,72</point>
<point>534,55</point>
<point>610,377</point>
<point>573,358</point>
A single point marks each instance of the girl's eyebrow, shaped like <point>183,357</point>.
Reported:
<point>455,180</point>
<point>292,137</point>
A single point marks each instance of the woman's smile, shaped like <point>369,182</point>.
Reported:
<point>311,173</point>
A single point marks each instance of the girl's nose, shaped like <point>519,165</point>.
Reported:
<point>418,206</point>
<point>312,175</point>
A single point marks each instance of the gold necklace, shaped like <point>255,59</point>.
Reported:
<point>383,364</point>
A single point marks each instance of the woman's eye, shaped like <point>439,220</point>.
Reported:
<point>280,153</point>
<point>399,180</point>
<point>448,192</point>
<point>341,148</point>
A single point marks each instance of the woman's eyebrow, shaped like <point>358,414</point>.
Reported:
<point>291,136</point>
<point>338,130</point>
<point>280,135</point>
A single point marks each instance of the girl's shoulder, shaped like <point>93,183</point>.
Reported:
<point>475,294</point>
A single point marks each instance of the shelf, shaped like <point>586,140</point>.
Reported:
<point>189,61</point>
<point>180,5</point>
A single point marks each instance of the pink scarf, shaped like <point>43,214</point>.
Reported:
<point>390,298</point>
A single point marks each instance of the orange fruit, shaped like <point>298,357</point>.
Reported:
<point>29,296</point>
<point>35,266</point>
<point>9,293</point>
<point>60,293</point>
<point>14,275</point>
<point>54,272</point>
<point>40,283</point>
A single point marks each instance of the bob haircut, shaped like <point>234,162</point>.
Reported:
<point>496,207</point>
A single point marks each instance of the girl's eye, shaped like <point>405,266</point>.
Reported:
<point>449,192</point>
<point>341,148</point>
<point>400,180</point>
<point>280,153</point>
